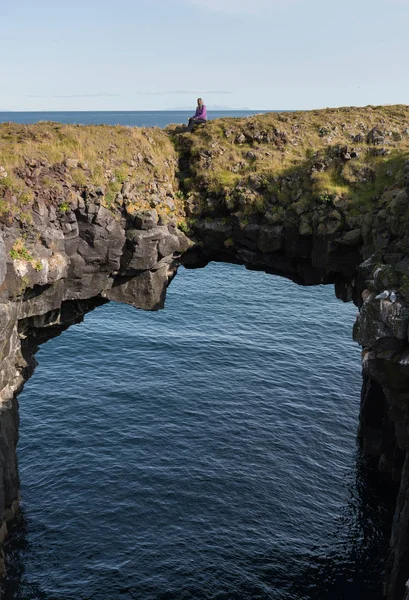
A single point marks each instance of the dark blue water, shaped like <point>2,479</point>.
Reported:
<point>203,452</point>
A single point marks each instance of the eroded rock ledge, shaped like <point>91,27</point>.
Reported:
<point>92,214</point>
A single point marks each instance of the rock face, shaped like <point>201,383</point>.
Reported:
<point>284,194</point>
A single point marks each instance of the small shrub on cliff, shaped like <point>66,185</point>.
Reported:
<point>20,252</point>
<point>260,204</point>
<point>113,188</point>
<point>324,198</point>
<point>109,198</point>
<point>184,226</point>
<point>25,217</point>
<point>121,174</point>
<point>4,207</point>
<point>26,197</point>
<point>64,207</point>
<point>7,183</point>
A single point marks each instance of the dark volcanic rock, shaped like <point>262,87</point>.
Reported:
<point>3,265</point>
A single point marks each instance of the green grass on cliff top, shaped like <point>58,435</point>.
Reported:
<point>280,145</point>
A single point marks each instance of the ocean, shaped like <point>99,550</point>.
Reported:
<point>146,118</point>
<point>207,451</point>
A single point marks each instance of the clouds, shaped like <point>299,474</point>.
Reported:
<point>263,8</point>
<point>136,92</point>
<point>98,95</point>
<point>181,92</point>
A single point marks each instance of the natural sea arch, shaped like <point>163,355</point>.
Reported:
<point>96,213</point>
<point>271,313</point>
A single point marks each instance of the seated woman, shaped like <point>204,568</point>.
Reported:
<point>200,115</point>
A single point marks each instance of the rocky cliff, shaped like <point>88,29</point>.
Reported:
<point>92,214</point>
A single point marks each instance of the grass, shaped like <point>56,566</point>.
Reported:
<point>298,156</point>
<point>285,159</point>
<point>329,183</point>
<point>97,155</point>
<point>222,180</point>
<point>184,225</point>
<point>20,252</point>
<point>64,207</point>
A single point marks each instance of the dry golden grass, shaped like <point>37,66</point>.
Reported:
<point>77,157</point>
<point>92,144</point>
<point>97,155</point>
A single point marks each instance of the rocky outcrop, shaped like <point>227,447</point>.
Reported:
<point>89,215</point>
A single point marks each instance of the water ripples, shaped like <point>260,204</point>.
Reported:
<point>205,451</point>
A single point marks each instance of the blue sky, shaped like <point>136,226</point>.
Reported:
<point>162,54</point>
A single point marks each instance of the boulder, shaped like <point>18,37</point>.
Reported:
<point>375,137</point>
<point>146,219</point>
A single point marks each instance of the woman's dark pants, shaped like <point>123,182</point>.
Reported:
<point>193,122</point>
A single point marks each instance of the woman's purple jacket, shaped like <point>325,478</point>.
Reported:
<point>201,113</point>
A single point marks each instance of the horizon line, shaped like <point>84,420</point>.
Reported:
<point>152,110</point>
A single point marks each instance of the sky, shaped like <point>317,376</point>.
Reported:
<point>163,54</point>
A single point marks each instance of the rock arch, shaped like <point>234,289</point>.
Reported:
<point>275,193</point>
